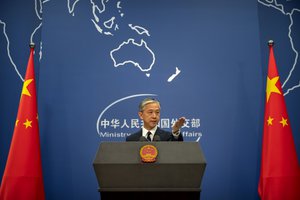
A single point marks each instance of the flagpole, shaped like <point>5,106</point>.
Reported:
<point>270,43</point>
<point>31,45</point>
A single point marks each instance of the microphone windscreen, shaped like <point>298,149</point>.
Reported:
<point>156,138</point>
<point>143,139</point>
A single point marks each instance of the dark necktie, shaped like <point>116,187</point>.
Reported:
<point>148,136</point>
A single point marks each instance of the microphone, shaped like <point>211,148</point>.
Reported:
<point>156,138</point>
<point>143,139</point>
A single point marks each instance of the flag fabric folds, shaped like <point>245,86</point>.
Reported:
<point>22,178</point>
<point>280,172</point>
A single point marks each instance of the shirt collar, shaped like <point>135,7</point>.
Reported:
<point>145,131</point>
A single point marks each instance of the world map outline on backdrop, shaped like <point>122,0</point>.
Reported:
<point>109,28</point>
<point>280,7</point>
<point>271,4</point>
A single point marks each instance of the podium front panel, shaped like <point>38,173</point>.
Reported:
<point>179,167</point>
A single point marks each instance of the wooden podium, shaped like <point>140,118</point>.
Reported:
<point>177,172</point>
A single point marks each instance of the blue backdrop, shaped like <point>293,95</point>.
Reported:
<point>96,60</point>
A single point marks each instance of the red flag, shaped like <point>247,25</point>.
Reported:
<point>280,171</point>
<point>22,178</point>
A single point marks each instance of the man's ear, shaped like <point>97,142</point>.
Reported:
<point>141,115</point>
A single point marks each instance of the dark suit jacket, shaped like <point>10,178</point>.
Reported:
<point>164,136</point>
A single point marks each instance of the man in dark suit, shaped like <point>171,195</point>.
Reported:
<point>149,112</point>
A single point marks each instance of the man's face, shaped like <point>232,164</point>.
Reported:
<point>150,115</point>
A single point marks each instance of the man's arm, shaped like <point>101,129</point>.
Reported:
<point>176,129</point>
<point>177,125</point>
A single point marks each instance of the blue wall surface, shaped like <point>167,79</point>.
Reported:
<point>96,60</point>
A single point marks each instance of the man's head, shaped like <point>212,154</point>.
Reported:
<point>149,112</point>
